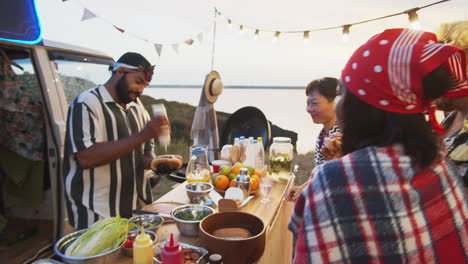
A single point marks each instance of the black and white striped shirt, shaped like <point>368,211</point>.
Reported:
<point>318,157</point>
<point>111,189</point>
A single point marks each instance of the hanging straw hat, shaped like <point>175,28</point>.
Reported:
<point>213,86</point>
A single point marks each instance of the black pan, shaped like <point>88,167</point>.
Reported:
<point>248,121</point>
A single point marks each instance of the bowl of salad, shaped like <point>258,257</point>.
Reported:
<point>189,216</point>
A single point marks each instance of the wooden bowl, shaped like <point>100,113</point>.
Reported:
<point>225,234</point>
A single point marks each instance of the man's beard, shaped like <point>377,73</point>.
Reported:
<point>122,91</point>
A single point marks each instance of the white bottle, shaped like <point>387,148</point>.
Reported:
<point>165,136</point>
<point>260,160</point>
<point>251,153</point>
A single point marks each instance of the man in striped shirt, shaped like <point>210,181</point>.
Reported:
<point>109,144</point>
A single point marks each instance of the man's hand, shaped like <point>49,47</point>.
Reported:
<point>293,193</point>
<point>155,127</point>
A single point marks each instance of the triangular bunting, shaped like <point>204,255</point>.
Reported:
<point>87,15</point>
<point>158,48</point>
<point>189,41</point>
<point>200,37</point>
<point>176,48</point>
<point>119,29</point>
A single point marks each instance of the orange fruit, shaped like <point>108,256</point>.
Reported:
<point>221,182</point>
<point>232,183</point>
<point>254,184</point>
<point>236,169</point>
<point>257,173</point>
<point>254,177</point>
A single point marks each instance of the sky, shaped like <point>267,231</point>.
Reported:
<point>239,58</point>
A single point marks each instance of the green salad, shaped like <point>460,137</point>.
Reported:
<point>188,215</point>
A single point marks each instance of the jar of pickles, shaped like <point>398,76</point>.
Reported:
<point>280,160</point>
<point>198,168</point>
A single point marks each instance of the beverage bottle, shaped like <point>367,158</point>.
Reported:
<point>242,150</point>
<point>172,252</point>
<point>251,153</point>
<point>215,259</point>
<point>260,160</point>
<point>165,136</point>
<point>143,249</point>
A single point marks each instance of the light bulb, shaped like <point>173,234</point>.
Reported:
<point>345,32</point>
<point>256,34</point>
<point>414,19</point>
<point>229,24</point>
<point>241,29</point>
<point>306,37</point>
<point>275,38</point>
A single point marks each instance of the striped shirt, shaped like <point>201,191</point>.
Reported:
<point>318,157</point>
<point>375,206</point>
<point>111,189</point>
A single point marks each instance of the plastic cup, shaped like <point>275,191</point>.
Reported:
<point>217,164</point>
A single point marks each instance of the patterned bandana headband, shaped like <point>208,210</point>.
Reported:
<point>388,70</point>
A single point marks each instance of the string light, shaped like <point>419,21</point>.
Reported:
<point>256,34</point>
<point>276,37</point>
<point>414,18</point>
<point>306,37</point>
<point>230,23</point>
<point>345,33</point>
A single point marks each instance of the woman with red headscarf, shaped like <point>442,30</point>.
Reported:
<point>393,197</point>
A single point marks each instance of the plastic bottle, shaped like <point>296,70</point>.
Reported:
<point>165,136</point>
<point>251,153</point>
<point>143,249</point>
<point>260,160</point>
<point>172,252</point>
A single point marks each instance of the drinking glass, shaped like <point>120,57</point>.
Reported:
<point>265,186</point>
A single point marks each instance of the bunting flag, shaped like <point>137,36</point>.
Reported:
<point>87,15</point>
<point>119,29</point>
<point>189,41</point>
<point>175,47</point>
<point>158,48</point>
<point>200,37</point>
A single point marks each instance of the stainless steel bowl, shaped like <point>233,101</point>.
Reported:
<point>133,233</point>
<point>61,246</point>
<point>189,227</point>
<point>149,221</point>
<point>195,189</point>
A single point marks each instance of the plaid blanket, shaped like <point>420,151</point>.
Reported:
<point>375,206</point>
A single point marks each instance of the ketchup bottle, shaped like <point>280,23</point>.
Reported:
<point>172,252</point>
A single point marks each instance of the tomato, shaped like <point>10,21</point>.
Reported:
<point>129,243</point>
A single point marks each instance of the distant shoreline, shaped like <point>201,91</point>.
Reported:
<point>191,86</point>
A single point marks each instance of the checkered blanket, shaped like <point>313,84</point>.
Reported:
<point>375,206</point>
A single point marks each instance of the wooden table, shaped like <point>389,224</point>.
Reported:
<point>275,216</point>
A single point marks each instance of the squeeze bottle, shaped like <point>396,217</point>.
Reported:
<point>165,137</point>
<point>143,249</point>
<point>172,252</point>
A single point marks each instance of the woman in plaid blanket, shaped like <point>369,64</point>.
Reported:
<point>393,197</point>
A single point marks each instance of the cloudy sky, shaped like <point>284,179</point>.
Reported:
<point>239,58</point>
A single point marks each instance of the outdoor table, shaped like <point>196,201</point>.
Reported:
<point>275,216</point>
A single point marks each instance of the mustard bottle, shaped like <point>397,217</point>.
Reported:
<point>143,249</point>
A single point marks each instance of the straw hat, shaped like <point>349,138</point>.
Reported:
<point>213,86</point>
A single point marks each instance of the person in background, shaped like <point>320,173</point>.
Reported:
<point>455,103</point>
<point>393,197</point>
<point>109,144</point>
<point>321,96</point>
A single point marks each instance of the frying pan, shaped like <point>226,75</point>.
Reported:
<point>248,121</point>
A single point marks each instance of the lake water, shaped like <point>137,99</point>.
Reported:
<point>284,107</point>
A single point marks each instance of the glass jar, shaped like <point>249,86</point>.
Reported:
<point>198,168</point>
<point>280,160</point>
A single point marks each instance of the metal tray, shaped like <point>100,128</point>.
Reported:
<point>157,251</point>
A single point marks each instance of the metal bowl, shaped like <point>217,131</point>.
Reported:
<point>132,234</point>
<point>149,221</point>
<point>61,246</point>
<point>190,227</point>
<point>195,189</point>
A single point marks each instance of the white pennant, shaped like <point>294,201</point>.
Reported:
<point>87,15</point>
<point>158,48</point>
<point>176,48</point>
<point>200,37</point>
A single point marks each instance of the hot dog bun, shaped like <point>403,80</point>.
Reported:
<point>171,161</point>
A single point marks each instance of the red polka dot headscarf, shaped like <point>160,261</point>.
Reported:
<point>387,71</point>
